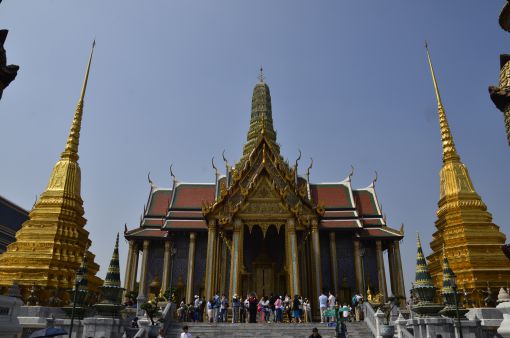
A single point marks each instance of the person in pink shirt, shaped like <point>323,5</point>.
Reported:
<point>278,310</point>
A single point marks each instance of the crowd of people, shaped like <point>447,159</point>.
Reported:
<point>272,308</point>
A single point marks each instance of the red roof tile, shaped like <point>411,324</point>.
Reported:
<point>365,202</point>
<point>185,214</point>
<point>340,214</point>
<point>185,224</point>
<point>380,232</point>
<point>191,196</point>
<point>141,232</point>
<point>159,202</point>
<point>340,224</point>
<point>333,195</point>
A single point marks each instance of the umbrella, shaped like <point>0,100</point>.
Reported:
<point>49,332</point>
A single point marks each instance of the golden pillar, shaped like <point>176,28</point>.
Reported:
<point>142,286</point>
<point>334,261</point>
<point>400,275</point>
<point>381,273</point>
<point>316,268</point>
<point>235,259</point>
<point>357,266</point>
<point>210,259</point>
<point>166,266</point>
<point>293,257</point>
<point>131,267</point>
<point>191,267</point>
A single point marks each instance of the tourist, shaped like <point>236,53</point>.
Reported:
<point>287,307</point>
<point>331,304</point>
<point>323,305</point>
<point>357,300</point>
<point>181,311</point>
<point>216,307</point>
<point>272,299</point>
<point>278,306</point>
<point>161,333</point>
<point>301,308</point>
<point>196,308</point>
<point>185,333</point>
<point>244,315</point>
<point>315,333</point>
<point>308,311</point>
<point>347,313</point>
<point>253,308</point>
<point>210,314</point>
<point>236,304</point>
<point>295,309</point>
<point>223,309</point>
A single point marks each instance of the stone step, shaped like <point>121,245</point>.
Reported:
<point>269,330</point>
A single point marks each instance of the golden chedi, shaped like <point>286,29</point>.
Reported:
<point>472,243</point>
<point>50,245</point>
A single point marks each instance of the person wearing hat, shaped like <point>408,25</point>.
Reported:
<point>236,303</point>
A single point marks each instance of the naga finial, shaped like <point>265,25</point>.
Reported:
<point>150,181</point>
<point>351,173</point>
<point>375,179</point>
<point>225,159</point>
<point>216,172</point>
<point>172,173</point>
<point>297,159</point>
<point>308,170</point>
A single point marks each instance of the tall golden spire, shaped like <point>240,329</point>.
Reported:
<point>463,223</point>
<point>449,151</point>
<point>51,244</point>
<point>71,150</point>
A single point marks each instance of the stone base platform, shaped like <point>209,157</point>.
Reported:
<point>271,330</point>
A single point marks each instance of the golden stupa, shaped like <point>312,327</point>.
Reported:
<point>50,245</point>
<point>471,241</point>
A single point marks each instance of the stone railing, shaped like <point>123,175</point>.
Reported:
<point>401,330</point>
<point>370,318</point>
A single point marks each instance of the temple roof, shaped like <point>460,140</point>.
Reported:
<point>345,208</point>
<point>263,180</point>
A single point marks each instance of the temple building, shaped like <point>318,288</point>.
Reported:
<point>472,243</point>
<point>50,245</point>
<point>263,228</point>
<point>11,218</point>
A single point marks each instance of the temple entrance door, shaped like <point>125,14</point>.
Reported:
<point>264,275</point>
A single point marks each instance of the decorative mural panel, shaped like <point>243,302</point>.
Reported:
<point>345,256</point>
<point>155,263</point>
<point>325,261</point>
<point>370,263</point>
<point>200,256</point>
<point>180,261</point>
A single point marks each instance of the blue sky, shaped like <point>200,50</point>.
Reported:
<point>171,82</point>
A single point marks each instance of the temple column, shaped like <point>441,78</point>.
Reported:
<point>142,289</point>
<point>235,258</point>
<point>357,267</point>
<point>210,259</point>
<point>392,267</point>
<point>334,261</point>
<point>130,267</point>
<point>293,257</point>
<point>191,267</point>
<point>381,273</point>
<point>316,254</point>
<point>400,275</point>
<point>166,266</point>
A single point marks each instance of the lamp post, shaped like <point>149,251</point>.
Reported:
<point>454,286</point>
<point>77,284</point>
<point>172,254</point>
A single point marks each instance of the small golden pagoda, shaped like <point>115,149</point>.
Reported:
<point>472,243</point>
<point>50,245</point>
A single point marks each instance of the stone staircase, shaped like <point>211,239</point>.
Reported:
<point>272,330</point>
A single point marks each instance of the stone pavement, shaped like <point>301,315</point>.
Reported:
<point>209,330</point>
